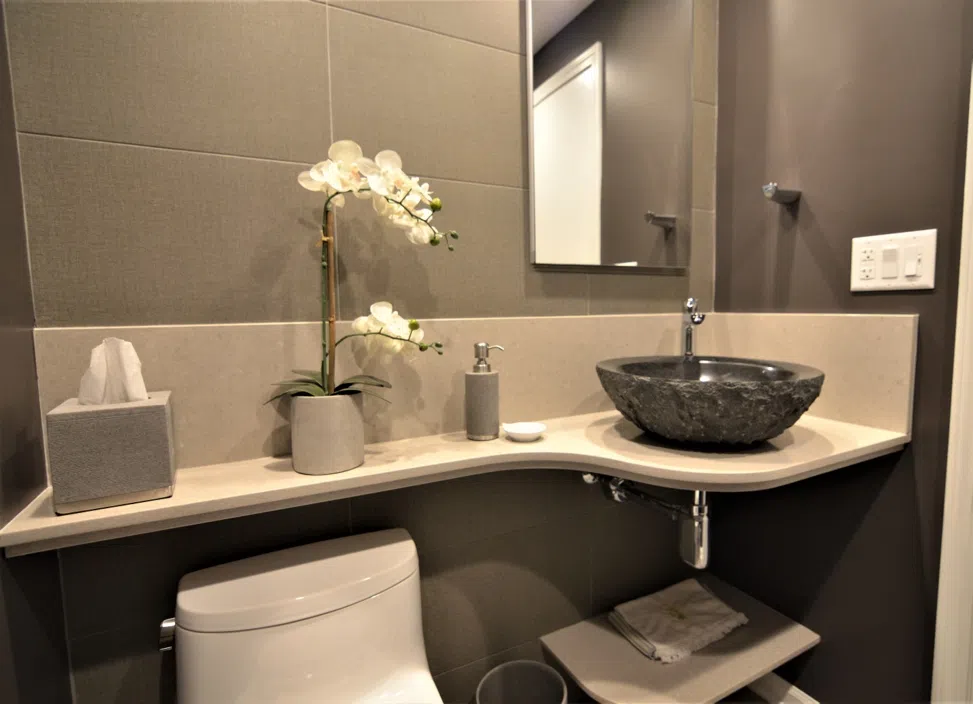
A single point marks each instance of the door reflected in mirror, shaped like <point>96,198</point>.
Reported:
<point>611,126</point>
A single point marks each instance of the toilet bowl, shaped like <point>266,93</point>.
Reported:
<point>335,621</point>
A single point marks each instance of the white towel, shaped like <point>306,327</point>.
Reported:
<point>675,622</point>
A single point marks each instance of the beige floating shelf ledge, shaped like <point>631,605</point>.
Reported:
<point>610,670</point>
<point>598,442</point>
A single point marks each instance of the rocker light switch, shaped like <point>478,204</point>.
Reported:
<point>911,257</point>
<point>890,261</point>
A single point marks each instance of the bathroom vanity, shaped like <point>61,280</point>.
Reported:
<point>864,411</point>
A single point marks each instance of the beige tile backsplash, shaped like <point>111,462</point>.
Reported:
<point>869,360</point>
<point>220,375</point>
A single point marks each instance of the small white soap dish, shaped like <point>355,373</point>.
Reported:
<point>524,432</point>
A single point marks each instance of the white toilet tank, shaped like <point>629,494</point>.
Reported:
<point>336,621</point>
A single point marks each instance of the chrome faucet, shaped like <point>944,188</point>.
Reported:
<point>690,319</point>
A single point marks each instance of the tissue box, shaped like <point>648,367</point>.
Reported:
<point>110,455</point>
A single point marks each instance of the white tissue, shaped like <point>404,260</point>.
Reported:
<point>114,375</point>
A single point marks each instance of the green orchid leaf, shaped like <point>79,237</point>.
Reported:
<point>298,390</point>
<point>310,374</point>
<point>365,379</point>
<point>348,391</point>
<point>299,380</point>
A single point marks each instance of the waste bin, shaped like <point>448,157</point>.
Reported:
<point>522,682</point>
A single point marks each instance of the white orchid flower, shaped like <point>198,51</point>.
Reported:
<point>419,234</point>
<point>398,334</point>
<point>422,190</point>
<point>388,159</point>
<point>345,151</point>
<point>380,205</point>
<point>402,199</point>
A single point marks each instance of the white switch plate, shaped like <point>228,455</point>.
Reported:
<point>867,256</point>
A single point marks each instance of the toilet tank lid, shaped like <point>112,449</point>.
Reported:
<point>294,584</point>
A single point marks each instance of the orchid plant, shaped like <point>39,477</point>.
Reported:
<point>407,204</point>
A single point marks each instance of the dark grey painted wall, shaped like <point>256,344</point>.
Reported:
<point>33,660</point>
<point>648,52</point>
<point>863,106</point>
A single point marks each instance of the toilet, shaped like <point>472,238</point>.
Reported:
<point>335,621</point>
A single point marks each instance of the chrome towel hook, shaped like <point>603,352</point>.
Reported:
<point>775,193</point>
<point>666,222</point>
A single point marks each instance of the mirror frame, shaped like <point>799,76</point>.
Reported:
<point>675,270</point>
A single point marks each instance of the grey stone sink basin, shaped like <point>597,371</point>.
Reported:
<point>711,400</point>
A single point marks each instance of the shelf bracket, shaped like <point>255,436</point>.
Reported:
<point>693,519</point>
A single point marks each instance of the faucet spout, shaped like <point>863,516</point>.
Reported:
<point>691,317</point>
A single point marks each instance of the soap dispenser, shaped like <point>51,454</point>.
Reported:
<point>483,396</point>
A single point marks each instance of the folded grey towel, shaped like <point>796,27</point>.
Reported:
<point>675,622</point>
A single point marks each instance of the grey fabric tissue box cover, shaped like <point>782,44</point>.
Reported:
<point>110,455</point>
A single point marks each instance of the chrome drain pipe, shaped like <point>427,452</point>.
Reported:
<point>693,519</point>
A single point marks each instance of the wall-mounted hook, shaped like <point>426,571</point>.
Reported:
<point>666,222</point>
<point>775,193</point>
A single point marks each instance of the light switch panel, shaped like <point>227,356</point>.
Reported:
<point>896,262</point>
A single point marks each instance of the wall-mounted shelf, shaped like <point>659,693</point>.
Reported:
<point>597,442</point>
<point>610,670</point>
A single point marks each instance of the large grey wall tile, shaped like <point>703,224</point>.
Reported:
<point>451,513</point>
<point>704,156</point>
<point>99,595</point>
<point>452,109</point>
<point>498,23</point>
<point>702,258</point>
<point>705,46</point>
<point>124,234</point>
<point>637,293</point>
<point>246,78</point>
<point>487,275</point>
<point>484,597</point>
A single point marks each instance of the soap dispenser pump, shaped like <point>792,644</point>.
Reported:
<point>483,396</point>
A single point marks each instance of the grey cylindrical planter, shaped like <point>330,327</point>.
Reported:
<point>327,433</point>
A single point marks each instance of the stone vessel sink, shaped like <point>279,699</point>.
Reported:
<point>711,400</point>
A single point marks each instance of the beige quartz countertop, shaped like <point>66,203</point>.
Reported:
<point>599,442</point>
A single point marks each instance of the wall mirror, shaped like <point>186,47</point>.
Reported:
<point>610,143</point>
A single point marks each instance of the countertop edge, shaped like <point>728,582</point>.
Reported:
<point>583,454</point>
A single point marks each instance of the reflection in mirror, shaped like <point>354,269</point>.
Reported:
<point>611,126</point>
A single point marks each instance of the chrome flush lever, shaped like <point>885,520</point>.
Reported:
<point>167,634</point>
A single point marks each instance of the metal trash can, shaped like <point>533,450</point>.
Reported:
<point>522,682</point>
